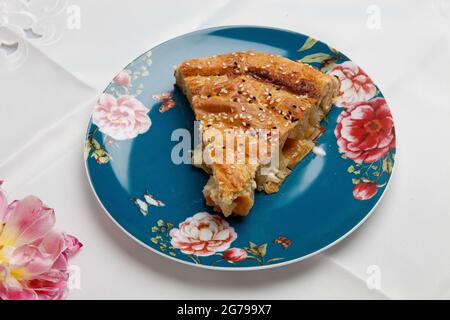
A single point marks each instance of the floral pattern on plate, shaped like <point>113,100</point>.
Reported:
<point>118,114</point>
<point>205,235</point>
<point>166,100</point>
<point>133,140</point>
<point>356,86</point>
<point>365,130</point>
<point>145,202</point>
<point>123,118</point>
<point>365,135</point>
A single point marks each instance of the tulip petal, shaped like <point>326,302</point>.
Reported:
<point>11,289</point>
<point>16,293</point>
<point>61,264</point>
<point>50,290</point>
<point>28,261</point>
<point>31,220</point>
<point>54,243</point>
<point>57,243</point>
<point>34,259</point>
<point>73,245</point>
<point>3,203</point>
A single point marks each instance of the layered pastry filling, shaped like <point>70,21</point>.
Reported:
<point>272,104</point>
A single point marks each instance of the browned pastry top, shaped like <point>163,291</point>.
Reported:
<point>244,91</point>
<point>300,79</point>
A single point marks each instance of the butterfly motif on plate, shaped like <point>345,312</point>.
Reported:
<point>148,200</point>
<point>282,240</point>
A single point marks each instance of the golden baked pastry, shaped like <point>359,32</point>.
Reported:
<point>245,92</point>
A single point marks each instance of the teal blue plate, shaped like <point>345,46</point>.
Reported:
<point>160,204</point>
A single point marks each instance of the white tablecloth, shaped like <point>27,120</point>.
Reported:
<point>45,104</point>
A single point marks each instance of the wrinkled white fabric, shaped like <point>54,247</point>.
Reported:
<point>48,88</point>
